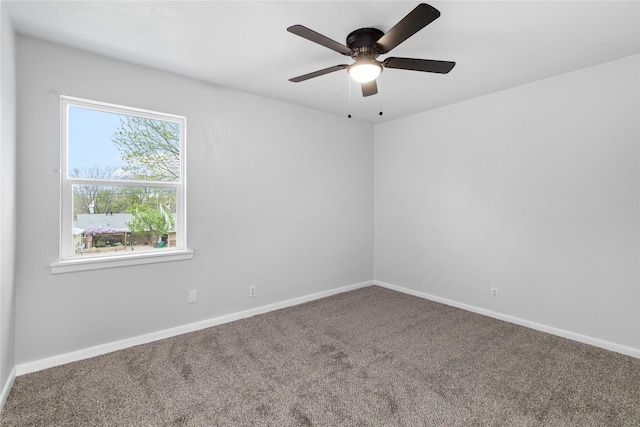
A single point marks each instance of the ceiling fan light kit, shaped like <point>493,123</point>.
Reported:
<point>364,71</point>
<point>364,45</point>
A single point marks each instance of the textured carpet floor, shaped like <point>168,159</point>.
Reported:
<point>367,357</point>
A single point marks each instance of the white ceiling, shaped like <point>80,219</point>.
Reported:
<point>244,45</point>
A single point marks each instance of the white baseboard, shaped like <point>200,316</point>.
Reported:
<point>607,345</point>
<point>6,389</point>
<point>38,365</point>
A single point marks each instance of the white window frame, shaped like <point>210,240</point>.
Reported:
<point>68,260</point>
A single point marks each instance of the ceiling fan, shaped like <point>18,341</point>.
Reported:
<point>366,44</point>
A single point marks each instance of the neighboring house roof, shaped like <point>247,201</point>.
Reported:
<point>116,222</point>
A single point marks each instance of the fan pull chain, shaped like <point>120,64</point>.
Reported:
<point>380,95</point>
<point>349,114</point>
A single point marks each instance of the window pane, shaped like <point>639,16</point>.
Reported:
<point>113,219</point>
<point>105,145</point>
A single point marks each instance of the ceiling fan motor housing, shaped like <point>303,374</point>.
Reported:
<point>363,41</point>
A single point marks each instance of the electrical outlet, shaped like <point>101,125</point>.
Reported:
<point>193,296</point>
<point>252,291</point>
<point>495,293</point>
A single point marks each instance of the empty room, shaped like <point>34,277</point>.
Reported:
<point>221,213</point>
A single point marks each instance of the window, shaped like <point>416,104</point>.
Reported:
<point>122,186</point>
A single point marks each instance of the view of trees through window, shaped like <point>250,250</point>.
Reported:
<point>124,172</point>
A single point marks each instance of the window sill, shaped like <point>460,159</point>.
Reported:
<point>98,263</point>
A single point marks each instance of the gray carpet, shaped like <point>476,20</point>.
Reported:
<point>363,358</point>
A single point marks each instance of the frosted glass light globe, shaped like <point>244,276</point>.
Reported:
<point>365,72</point>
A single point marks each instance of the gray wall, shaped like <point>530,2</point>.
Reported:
<point>279,197</point>
<point>533,190</point>
<point>7,198</point>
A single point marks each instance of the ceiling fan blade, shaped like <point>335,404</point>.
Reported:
<point>311,35</point>
<point>318,73</point>
<point>370,88</point>
<point>428,65</point>
<point>416,20</point>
